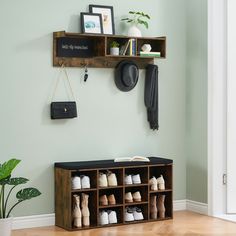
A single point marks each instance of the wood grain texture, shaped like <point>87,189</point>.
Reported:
<point>63,193</point>
<point>184,224</point>
<point>102,59</point>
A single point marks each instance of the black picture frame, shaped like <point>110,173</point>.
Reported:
<point>91,23</point>
<point>109,27</point>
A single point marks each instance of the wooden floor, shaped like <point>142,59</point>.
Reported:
<point>184,223</point>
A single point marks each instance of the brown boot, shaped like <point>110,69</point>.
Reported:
<point>161,205</point>
<point>76,211</point>
<point>85,210</point>
<point>103,201</point>
<point>153,207</point>
<point>111,199</point>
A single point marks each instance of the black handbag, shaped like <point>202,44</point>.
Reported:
<point>63,110</point>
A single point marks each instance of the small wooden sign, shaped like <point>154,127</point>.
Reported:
<point>75,47</point>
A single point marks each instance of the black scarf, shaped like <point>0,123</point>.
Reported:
<point>151,95</point>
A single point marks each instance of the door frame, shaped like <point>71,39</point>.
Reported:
<point>217,105</point>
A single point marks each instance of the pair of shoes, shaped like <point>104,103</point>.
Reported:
<point>78,182</point>
<point>132,179</point>
<point>157,183</point>
<point>81,216</point>
<point>108,179</point>
<point>132,214</point>
<point>135,197</point>
<point>107,217</point>
<point>157,206</point>
<point>104,200</point>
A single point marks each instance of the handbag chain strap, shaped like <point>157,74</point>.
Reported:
<point>62,69</point>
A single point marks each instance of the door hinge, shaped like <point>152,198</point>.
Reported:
<point>224,179</point>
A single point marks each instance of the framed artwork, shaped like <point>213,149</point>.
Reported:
<point>107,17</point>
<point>91,23</point>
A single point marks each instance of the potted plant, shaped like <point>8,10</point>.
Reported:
<point>7,185</point>
<point>136,18</point>
<point>114,48</point>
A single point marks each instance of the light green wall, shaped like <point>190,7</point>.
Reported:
<point>110,123</point>
<point>196,100</point>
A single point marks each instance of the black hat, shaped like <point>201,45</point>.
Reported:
<point>126,75</point>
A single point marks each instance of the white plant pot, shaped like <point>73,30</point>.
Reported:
<point>114,51</point>
<point>6,226</point>
<point>134,31</point>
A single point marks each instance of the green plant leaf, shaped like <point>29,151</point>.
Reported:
<point>17,181</point>
<point>27,193</point>
<point>132,12</point>
<point>125,19</point>
<point>142,22</point>
<point>7,167</point>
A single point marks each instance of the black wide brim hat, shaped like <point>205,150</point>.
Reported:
<point>126,75</point>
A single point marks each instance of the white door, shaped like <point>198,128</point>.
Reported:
<point>231,106</point>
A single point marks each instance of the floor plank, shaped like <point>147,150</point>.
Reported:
<point>184,223</point>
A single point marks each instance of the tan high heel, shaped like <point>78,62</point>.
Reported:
<point>76,211</point>
<point>153,207</point>
<point>85,210</point>
<point>161,206</point>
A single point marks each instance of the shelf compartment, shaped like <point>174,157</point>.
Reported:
<point>92,174</point>
<point>157,44</point>
<point>165,171</point>
<point>119,176</point>
<point>92,205</point>
<point>168,205</point>
<point>142,189</point>
<point>119,214</point>
<point>142,171</point>
<point>118,193</point>
<point>144,208</point>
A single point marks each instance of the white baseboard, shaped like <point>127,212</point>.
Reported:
<point>198,207</point>
<point>49,219</point>
<point>33,221</point>
<point>179,205</point>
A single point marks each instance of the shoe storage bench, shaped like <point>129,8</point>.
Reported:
<point>65,171</point>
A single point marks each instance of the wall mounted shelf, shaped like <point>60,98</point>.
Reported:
<point>100,44</point>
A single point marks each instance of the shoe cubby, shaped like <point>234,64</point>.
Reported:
<point>143,190</point>
<point>144,212</point>
<point>66,172</point>
<point>117,192</point>
<point>92,206</point>
<point>119,177</point>
<point>119,215</point>
<point>165,171</point>
<point>92,174</point>
<point>167,202</point>
<point>142,172</point>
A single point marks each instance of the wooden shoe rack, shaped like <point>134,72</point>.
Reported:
<point>64,172</point>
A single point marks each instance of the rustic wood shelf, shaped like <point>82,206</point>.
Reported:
<point>64,195</point>
<point>101,57</point>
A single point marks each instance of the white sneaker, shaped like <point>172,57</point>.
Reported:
<point>102,180</point>
<point>85,181</point>
<point>136,179</point>
<point>112,217</point>
<point>103,218</point>
<point>129,214</point>
<point>75,182</point>
<point>137,212</point>
<point>161,183</point>
<point>111,178</point>
<point>128,179</point>
<point>153,183</point>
